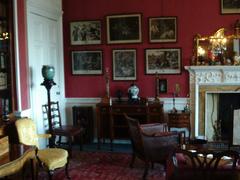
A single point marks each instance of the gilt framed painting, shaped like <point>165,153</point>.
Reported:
<point>230,6</point>
<point>125,28</point>
<point>162,29</point>
<point>124,64</point>
<point>163,61</point>
<point>85,32</point>
<point>87,62</point>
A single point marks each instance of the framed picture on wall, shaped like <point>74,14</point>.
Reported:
<point>162,85</point>
<point>87,62</point>
<point>163,61</point>
<point>162,29</point>
<point>124,29</point>
<point>230,6</point>
<point>124,64</point>
<point>85,32</point>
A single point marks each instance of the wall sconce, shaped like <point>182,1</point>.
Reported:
<point>4,36</point>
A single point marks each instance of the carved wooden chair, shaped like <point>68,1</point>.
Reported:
<point>59,130</point>
<point>151,142</point>
<point>207,165</point>
<point>49,158</point>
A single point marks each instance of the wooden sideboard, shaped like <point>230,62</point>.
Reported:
<point>179,120</point>
<point>111,123</point>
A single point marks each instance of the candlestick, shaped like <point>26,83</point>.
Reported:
<point>157,88</point>
<point>107,82</point>
<point>106,99</point>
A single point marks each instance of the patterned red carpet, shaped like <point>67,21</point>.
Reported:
<point>107,166</point>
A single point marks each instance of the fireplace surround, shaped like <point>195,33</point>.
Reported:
<point>205,80</point>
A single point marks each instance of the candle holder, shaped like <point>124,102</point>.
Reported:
<point>157,98</point>
<point>175,94</point>
<point>106,99</point>
<point>174,110</point>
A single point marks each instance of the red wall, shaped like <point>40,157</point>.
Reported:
<point>192,17</point>
<point>23,58</point>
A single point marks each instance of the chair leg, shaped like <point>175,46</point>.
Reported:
<point>50,174</point>
<point>66,170</point>
<point>132,160</point>
<point>81,141</point>
<point>70,145</point>
<point>146,170</point>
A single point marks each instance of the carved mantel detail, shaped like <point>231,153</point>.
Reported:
<point>204,77</point>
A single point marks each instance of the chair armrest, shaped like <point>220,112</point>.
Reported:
<point>44,136</point>
<point>154,128</point>
<point>159,147</point>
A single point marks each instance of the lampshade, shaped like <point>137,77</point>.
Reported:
<point>48,72</point>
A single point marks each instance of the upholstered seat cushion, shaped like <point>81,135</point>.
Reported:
<point>15,165</point>
<point>53,157</point>
<point>185,161</point>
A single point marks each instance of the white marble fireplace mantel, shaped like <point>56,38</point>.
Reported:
<point>209,76</point>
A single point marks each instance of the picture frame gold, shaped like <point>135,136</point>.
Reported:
<point>162,85</point>
<point>124,64</point>
<point>124,28</point>
<point>87,62</point>
<point>162,29</point>
<point>85,32</point>
<point>230,6</point>
<point>163,61</point>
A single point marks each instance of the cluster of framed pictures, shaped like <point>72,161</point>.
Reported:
<point>161,61</point>
<point>125,28</point>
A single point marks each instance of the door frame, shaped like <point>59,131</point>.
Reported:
<point>53,11</point>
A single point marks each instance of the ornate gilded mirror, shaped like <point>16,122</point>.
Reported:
<point>218,49</point>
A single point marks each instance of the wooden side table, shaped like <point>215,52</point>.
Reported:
<point>179,120</point>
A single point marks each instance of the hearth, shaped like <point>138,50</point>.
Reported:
<point>219,115</point>
<point>206,83</point>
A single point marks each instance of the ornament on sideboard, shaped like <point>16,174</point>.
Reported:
<point>187,106</point>
<point>175,94</point>
<point>133,92</point>
<point>119,95</point>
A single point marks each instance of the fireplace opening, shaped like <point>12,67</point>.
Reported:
<point>228,102</point>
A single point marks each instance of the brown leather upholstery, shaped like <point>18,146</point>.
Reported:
<point>151,143</point>
<point>207,165</point>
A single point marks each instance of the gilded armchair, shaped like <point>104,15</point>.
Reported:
<point>50,158</point>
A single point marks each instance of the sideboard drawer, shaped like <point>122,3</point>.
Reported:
<point>129,110</point>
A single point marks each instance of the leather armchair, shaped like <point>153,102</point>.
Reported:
<point>152,143</point>
<point>207,165</point>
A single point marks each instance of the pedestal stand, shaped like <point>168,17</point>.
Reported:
<point>48,85</point>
